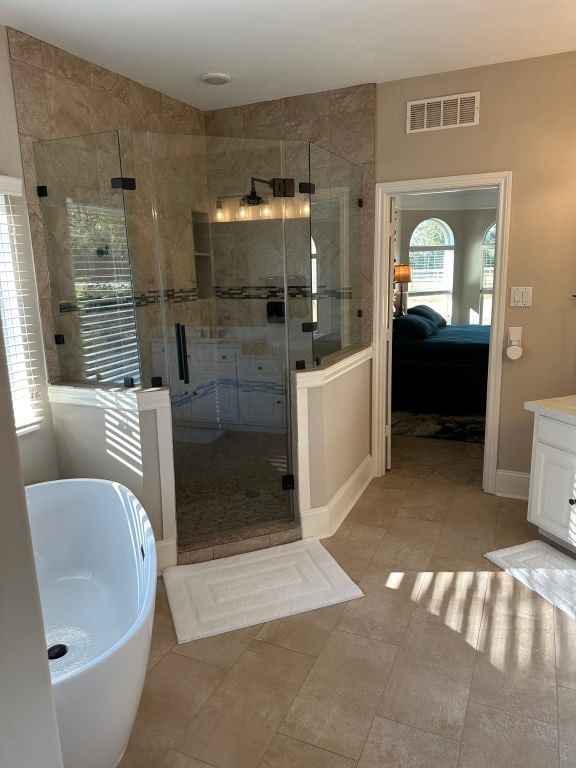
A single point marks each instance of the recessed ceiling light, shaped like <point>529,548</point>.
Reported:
<point>215,78</point>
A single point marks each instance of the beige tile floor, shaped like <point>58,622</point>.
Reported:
<point>446,662</point>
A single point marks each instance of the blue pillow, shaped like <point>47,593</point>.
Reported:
<point>413,327</point>
<point>429,314</point>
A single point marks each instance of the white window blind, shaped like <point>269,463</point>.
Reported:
<point>102,278</point>
<point>18,307</point>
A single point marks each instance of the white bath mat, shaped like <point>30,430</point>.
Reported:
<point>221,595</point>
<point>539,566</point>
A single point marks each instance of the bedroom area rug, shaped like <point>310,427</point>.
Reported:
<point>219,596</point>
<point>545,570</point>
<point>466,429</point>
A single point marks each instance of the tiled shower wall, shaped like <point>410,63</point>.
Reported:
<point>342,121</point>
<point>60,95</point>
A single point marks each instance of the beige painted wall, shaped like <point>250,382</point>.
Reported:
<point>527,126</point>
<point>38,448</point>
<point>339,430</point>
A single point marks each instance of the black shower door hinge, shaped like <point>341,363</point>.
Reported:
<point>42,190</point>
<point>123,182</point>
<point>287,482</point>
<point>283,187</point>
<point>360,202</point>
<point>309,327</point>
<point>307,188</point>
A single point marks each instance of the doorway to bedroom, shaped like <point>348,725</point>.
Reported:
<point>439,319</point>
<point>443,280</point>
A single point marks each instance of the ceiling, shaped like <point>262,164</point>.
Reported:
<point>279,48</point>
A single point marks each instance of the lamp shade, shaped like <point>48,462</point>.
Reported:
<point>402,273</point>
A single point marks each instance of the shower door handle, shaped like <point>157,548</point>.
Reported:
<point>182,353</point>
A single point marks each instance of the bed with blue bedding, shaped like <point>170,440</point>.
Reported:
<point>437,367</point>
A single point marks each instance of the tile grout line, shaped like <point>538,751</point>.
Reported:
<point>309,744</point>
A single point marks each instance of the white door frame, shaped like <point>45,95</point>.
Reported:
<point>382,330</point>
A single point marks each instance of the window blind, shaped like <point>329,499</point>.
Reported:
<point>102,278</point>
<point>18,308</point>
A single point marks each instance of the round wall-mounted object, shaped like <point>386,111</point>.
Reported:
<point>514,352</point>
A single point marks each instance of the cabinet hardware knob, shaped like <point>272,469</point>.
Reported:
<point>571,502</point>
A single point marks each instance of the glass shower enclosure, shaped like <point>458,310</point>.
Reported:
<point>215,266</point>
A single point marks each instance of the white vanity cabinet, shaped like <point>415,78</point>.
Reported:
<point>213,387</point>
<point>225,387</point>
<point>261,391</point>
<point>552,498</point>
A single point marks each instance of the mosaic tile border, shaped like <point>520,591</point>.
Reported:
<point>277,292</point>
<point>250,292</point>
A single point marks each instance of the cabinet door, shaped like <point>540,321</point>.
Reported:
<point>553,485</point>
<point>203,389</point>
<point>227,394</point>
<point>261,400</point>
<point>215,393</point>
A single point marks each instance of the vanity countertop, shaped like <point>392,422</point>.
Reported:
<point>559,408</point>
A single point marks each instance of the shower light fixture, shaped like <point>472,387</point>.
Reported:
<point>215,78</point>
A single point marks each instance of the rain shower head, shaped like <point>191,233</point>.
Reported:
<point>279,187</point>
<point>252,198</point>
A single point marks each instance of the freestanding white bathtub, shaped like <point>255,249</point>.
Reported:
<point>96,563</point>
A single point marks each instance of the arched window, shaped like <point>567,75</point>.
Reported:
<point>431,255</point>
<point>487,275</point>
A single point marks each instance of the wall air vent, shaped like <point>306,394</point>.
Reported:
<point>443,112</point>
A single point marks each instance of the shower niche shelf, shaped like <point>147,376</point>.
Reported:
<point>202,254</point>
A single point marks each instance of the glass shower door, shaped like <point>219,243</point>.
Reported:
<point>225,341</point>
<point>88,262</point>
<point>336,232</point>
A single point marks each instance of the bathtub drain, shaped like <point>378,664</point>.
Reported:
<point>57,651</point>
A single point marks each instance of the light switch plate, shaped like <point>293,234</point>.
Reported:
<point>521,297</point>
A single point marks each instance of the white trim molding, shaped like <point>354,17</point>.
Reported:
<point>318,377</point>
<point>166,554</point>
<point>382,329</point>
<point>134,399</point>
<point>11,185</point>
<point>324,521</point>
<point>513,485</point>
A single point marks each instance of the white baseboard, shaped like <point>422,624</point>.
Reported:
<point>513,485</point>
<point>325,521</point>
<point>166,554</point>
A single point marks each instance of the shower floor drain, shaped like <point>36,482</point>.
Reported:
<point>57,650</point>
